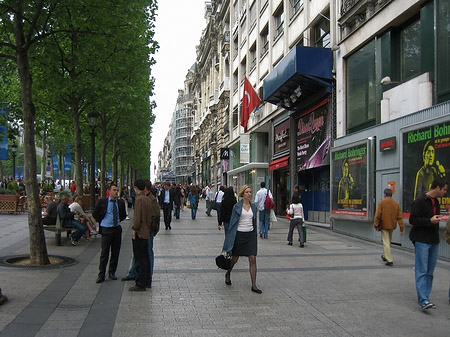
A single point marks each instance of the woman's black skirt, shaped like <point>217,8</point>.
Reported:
<point>245,244</point>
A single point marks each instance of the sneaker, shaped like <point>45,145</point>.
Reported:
<point>433,306</point>
<point>127,218</point>
<point>427,305</point>
<point>389,264</point>
<point>383,258</point>
<point>93,233</point>
<point>72,241</point>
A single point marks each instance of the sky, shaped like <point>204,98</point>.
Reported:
<point>178,29</point>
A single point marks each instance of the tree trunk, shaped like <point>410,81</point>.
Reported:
<point>77,135</point>
<point>103,160</point>
<point>38,248</point>
<point>122,170</point>
<point>114,160</point>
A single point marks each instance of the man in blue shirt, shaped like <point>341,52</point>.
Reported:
<point>109,212</point>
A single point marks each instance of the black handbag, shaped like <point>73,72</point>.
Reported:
<point>223,262</point>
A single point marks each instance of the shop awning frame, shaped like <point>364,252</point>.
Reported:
<point>279,163</point>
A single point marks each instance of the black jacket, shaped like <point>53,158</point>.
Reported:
<point>65,215</point>
<point>162,196</point>
<point>421,213</point>
<point>226,208</point>
<point>102,206</point>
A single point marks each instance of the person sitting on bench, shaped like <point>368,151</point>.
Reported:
<point>67,220</point>
<point>49,215</point>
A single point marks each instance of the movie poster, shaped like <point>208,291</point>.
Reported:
<point>349,181</point>
<point>426,156</point>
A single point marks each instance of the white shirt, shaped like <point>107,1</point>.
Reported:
<point>297,209</point>
<point>246,221</point>
<point>219,196</point>
<point>260,198</point>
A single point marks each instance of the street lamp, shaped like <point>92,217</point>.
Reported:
<point>93,116</point>
<point>13,152</point>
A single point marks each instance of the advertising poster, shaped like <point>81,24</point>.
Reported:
<point>313,139</point>
<point>426,156</point>
<point>349,181</point>
<point>3,134</point>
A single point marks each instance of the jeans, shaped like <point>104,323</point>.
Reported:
<point>193,212</point>
<point>296,223</point>
<point>219,214</point>
<point>226,227</point>
<point>426,257</point>
<point>177,211</point>
<point>132,271</point>
<point>264,220</point>
<point>80,230</point>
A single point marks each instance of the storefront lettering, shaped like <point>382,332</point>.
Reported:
<point>313,125</point>
<point>281,135</point>
<point>417,136</point>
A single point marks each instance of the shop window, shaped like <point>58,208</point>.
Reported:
<point>410,51</point>
<point>360,88</point>
<point>443,51</point>
<point>321,33</point>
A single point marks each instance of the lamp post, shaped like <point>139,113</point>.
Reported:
<point>93,116</point>
<point>13,152</point>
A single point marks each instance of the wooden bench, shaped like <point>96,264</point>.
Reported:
<point>58,229</point>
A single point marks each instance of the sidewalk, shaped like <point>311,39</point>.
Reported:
<point>335,286</point>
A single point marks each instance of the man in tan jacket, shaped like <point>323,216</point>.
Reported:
<point>386,217</point>
<point>141,232</point>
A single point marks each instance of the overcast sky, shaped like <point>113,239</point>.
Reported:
<point>179,25</point>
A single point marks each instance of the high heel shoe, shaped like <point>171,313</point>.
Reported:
<point>256,290</point>
<point>227,279</point>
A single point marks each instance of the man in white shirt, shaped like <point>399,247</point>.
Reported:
<point>209,199</point>
<point>264,214</point>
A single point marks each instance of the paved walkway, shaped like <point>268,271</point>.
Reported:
<point>335,286</point>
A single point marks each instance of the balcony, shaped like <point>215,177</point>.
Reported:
<point>224,87</point>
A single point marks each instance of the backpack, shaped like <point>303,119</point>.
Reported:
<point>156,215</point>
<point>268,203</point>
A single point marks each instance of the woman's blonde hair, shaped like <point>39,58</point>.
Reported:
<point>78,198</point>
<point>243,188</point>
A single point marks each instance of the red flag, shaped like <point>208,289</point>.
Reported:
<point>250,102</point>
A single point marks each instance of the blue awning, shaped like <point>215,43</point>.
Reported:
<point>304,73</point>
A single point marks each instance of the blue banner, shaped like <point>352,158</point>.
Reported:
<point>55,162</point>
<point>4,135</point>
<point>67,161</point>
<point>110,172</point>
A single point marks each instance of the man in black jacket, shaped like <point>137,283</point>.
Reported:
<point>166,199</point>
<point>425,217</point>
<point>109,212</point>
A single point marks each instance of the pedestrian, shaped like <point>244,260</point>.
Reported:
<point>126,199</point>
<point>295,212</point>
<point>193,201</point>
<point>218,198</point>
<point>154,229</point>
<point>109,212</point>
<point>177,200</point>
<point>264,214</point>
<point>387,216</point>
<point>141,232</point>
<point>68,220</point>
<point>424,218</point>
<point>241,237</point>
<point>209,199</point>
<point>447,239</point>
<point>166,203</point>
<point>182,197</point>
<point>228,201</point>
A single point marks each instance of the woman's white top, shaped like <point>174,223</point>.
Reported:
<point>219,196</point>
<point>297,209</point>
<point>246,221</point>
<point>76,208</point>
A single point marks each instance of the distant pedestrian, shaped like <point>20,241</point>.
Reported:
<point>264,214</point>
<point>209,199</point>
<point>218,199</point>
<point>166,202</point>
<point>193,201</point>
<point>241,237</point>
<point>425,218</point>
<point>297,219</point>
<point>109,212</point>
<point>387,215</point>
<point>228,202</point>
<point>177,200</point>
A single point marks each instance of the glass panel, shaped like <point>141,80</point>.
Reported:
<point>443,50</point>
<point>361,103</point>
<point>410,51</point>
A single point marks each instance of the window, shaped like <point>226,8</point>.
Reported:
<point>244,28</point>
<point>443,51</point>
<point>278,20</point>
<point>236,46</point>
<point>243,68</point>
<point>252,14</point>
<point>321,33</point>
<point>410,51</point>
<point>360,88</point>
<point>235,81</point>
<point>252,56</point>
<point>263,5</point>
<point>235,117</point>
<point>264,40</point>
<point>295,6</point>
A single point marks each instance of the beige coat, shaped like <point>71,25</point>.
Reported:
<point>388,210</point>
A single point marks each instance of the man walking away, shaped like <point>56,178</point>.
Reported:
<point>109,212</point>
<point>425,217</point>
<point>141,233</point>
<point>386,217</point>
<point>264,214</point>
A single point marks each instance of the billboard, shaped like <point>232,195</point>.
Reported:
<point>426,156</point>
<point>350,181</point>
<point>3,134</point>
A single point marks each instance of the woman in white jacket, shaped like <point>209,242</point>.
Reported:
<point>295,211</point>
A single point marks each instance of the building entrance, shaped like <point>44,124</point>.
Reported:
<point>314,185</point>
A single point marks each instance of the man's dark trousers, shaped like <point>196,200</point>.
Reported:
<point>111,240</point>
<point>142,262</point>
<point>167,214</point>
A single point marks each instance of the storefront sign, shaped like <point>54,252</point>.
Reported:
<point>388,144</point>
<point>224,153</point>
<point>349,181</point>
<point>313,139</point>
<point>426,156</point>
<point>244,149</point>
<point>281,137</point>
